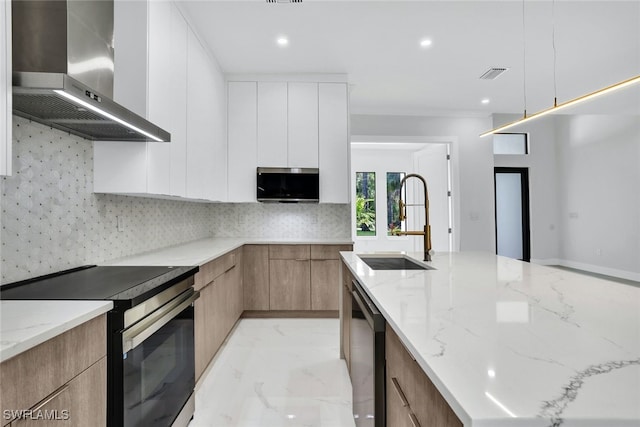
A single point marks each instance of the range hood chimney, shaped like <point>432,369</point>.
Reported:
<point>63,71</point>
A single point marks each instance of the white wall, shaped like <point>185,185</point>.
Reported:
<point>543,184</point>
<point>472,158</point>
<point>599,195</point>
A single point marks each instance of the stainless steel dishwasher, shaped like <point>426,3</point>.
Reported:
<point>367,360</point>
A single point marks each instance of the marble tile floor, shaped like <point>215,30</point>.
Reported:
<point>276,372</point>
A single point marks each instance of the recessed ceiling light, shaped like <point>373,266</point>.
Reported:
<point>425,43</point>
<point>282,41</point>
<point>485,101</point>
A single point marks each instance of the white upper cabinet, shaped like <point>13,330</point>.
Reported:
<point>333,115</point>
<point>178,87</point>
<point>5,89</point>
<point>303,125</point>
<point>160,107</point>
<point>272,124</point>
<point>206,130</point>
<point>288,124</point>
<point>163,73</point>
<point>298,124</point>
<point>242,141</point>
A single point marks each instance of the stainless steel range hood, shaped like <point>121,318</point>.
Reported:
<point>63,68</point>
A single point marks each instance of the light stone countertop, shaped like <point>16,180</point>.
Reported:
<point>510,343</point>
<point>202,251</point>
<point>25,324</point>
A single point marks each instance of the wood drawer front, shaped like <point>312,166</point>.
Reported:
<point>431,409</point>
<point>84,399</point>
<point>328,251</point>
<point>296,252</point>
<point>400,366</point>
<point>213,269</point>
<point>398,412</point>
<point>423,398</point>
<point>30,377</point>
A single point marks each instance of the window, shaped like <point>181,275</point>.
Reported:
<point>393,197</point>
<point>510,143</point>
<point>365,203</point>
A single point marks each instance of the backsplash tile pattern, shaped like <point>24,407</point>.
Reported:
<point>52,221</point>
<point>275,220</point>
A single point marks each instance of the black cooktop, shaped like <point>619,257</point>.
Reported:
<point>116,283</point>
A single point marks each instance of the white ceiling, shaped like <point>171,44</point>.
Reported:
<point>376,43</point>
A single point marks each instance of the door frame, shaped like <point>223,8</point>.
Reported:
<point>526,216</point>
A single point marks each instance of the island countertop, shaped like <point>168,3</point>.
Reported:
<point>509,343</point>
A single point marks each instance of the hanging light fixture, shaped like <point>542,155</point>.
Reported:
<point>526,118</point>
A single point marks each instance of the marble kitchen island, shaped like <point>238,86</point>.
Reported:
<point>509,343</point>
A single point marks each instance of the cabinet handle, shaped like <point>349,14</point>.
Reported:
<point>396,386</point>
<point>52,396</point>
<point>414,419</point>
<point>302,259</point>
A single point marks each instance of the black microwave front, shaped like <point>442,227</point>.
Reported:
<point>288,185</point>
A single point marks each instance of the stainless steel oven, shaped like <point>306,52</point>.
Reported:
<point>367,360</point>
<point>158,373</point>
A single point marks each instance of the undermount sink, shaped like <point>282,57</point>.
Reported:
<point>393,263</point>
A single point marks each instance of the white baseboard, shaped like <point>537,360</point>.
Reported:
<point>613,272</point>
<point>546,261</point>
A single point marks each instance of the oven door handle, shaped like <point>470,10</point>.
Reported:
<point>138,333</point>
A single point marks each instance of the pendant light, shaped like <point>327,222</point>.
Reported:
<point>526,118</point>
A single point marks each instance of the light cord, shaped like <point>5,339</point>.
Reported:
<point>553,43</point>
<point>524,62</point>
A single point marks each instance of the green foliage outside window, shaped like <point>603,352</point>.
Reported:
<point>365,203</point>
<point>393,197</point>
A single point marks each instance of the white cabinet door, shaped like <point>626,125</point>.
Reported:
<point>242,141</point>
<point>159,100</point>
<point>5,89</point>
<point>333,142</point>
<point>272,124</point>
<point>177,85</point>
<point>217,188</point>
<point>199,135</point>
<point>303,125</point>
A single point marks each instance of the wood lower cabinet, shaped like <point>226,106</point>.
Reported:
<point>289,284</point>
<point>256,277</point>
<point>80,402</point>
<point>289,277</point>
<point>216,312</point>
<point>411,396</point>
<point>65,372</point>
<point>292,278</point>
<point>325,274</point>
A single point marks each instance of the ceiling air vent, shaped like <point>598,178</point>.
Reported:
<point>492,73</point>
<point>284,1</point>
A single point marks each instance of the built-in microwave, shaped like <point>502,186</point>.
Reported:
<point>288,185</point>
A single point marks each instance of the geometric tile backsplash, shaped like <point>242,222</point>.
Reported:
<point>51,220</point>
